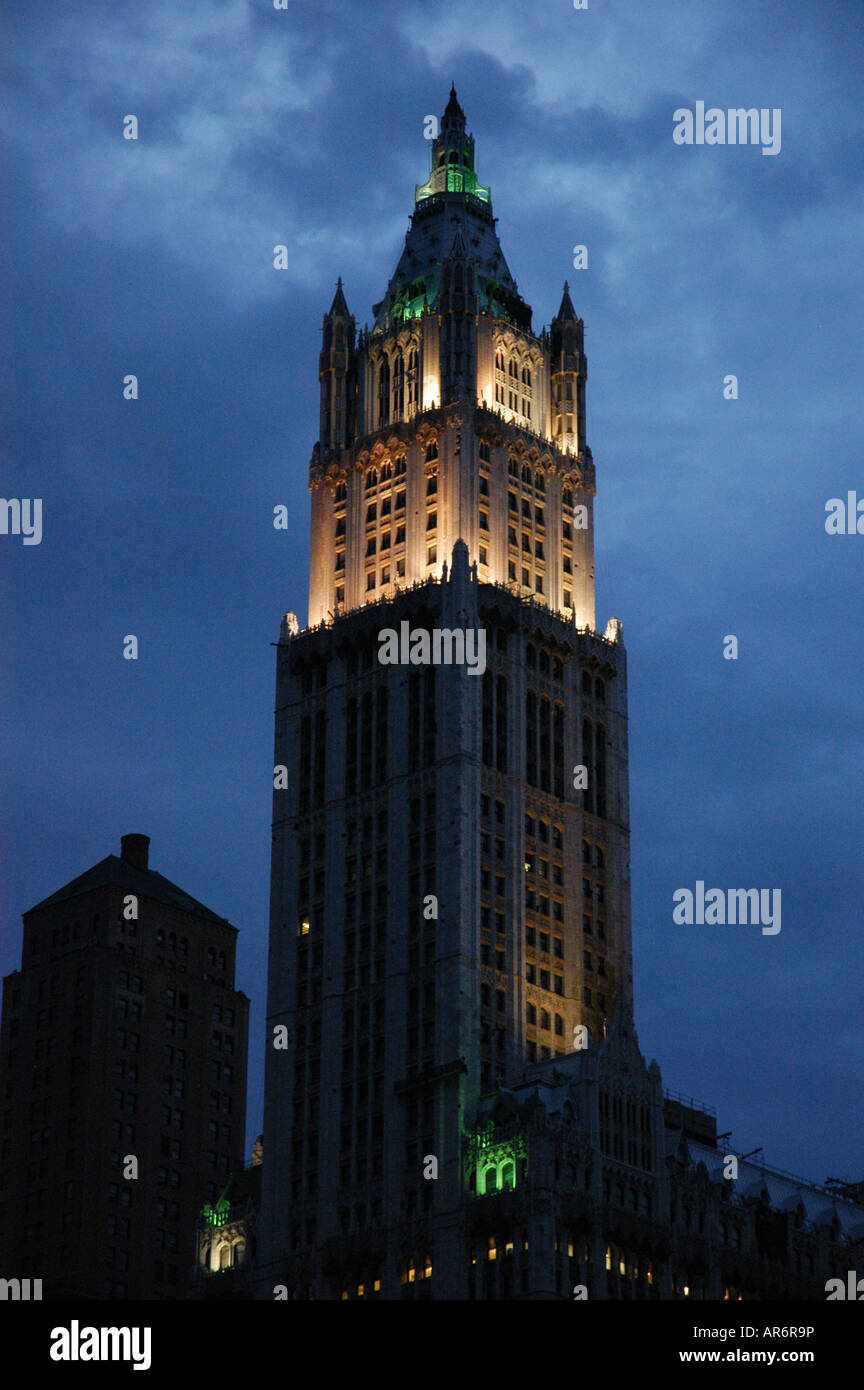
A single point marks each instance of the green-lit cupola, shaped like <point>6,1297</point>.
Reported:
<point>450,201</point>
<point>452,159</point>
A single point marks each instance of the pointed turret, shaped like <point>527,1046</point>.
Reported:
<point>565,310</point>
<point>569,370</point>
<point>453,120</point>
<point>336,372</point>
<point>339,309</point>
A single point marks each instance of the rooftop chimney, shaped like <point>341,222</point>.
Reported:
<point>134,849</point>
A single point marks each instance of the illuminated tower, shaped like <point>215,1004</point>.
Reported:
<point>436,424</point>
<point>450,870</point>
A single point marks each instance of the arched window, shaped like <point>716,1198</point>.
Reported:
<point>488,1179</point>
<point>384,392</point>
<point>224,1256</point>
<point>371,479</point>
<point>412,378</point>
<point>508,1176</point>
<point>239,1252</point>
<point>398,387</point>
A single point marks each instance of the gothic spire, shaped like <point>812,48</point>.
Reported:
<point>339,309</point>
<point>454,117</point>
<point>566,310</point>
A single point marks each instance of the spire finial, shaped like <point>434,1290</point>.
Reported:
<point>453,110</point>
<point>339,306</point>
<point>565,310</point>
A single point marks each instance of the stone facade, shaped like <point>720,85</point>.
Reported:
<point>455,1102</point>
<point>450,881</point>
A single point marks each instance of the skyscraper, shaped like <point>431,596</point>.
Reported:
<point>123,1084</point>
<point>450,877</point>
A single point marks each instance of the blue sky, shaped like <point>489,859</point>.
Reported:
<point>305,127</point>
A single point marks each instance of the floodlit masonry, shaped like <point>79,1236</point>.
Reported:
<point>452,491</point>
<point>450,906</point>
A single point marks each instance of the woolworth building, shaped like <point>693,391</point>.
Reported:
<point>456,1106</point>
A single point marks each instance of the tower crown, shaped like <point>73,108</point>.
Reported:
<point>451,201</point>
<point>453,160</point>
<point>450,420</point>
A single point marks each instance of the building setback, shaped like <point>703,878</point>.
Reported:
<point>122,1081</point>
<point>455,1103</point>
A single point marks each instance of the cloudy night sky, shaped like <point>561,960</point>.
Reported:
<point>305,127</point>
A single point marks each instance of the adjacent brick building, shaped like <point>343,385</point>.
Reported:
<point>122,1050</point>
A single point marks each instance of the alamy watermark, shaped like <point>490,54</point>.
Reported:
<point>437,647</point>
<point>77,1343</point>
<point>853,1288</point>
<point>845,518</point>
<point>20,1290</point>
<point>720,906</point>
<point>22,516</point>
<point>736,126</point>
